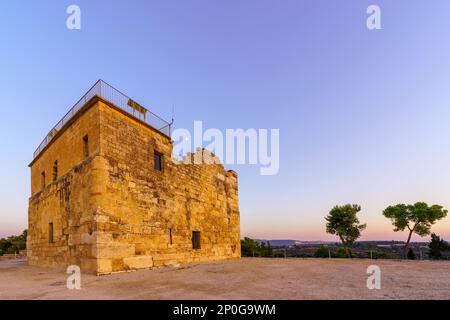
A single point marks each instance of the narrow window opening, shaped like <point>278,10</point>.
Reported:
<point>170,236</point>
<point>158,161</point>
<point>86,146</point>
<point>55,170</point>
<point>43,179</point>
<point>196,240</point>
<point>50,232</point>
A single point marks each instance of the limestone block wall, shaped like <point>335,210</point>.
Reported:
<point>66,204</point>
<point>150,214</point>
<point>67,148</point>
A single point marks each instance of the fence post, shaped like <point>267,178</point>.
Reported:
<point>329,254</point>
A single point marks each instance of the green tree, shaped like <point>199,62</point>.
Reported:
<point>13,244</point>
<point>249,247</point>
<point>437,245</point>
<point>4,246</point>
<point>411,255</point>
<point>417,218</point>
<point>253,248</point>
<point>343,222</point>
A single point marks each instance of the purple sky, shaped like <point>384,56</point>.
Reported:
<point>363,115</point>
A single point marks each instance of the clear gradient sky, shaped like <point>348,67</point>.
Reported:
<point>364,116</point>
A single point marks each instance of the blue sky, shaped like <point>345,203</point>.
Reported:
<point>363,114</point>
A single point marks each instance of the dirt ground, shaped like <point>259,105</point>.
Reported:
<point>248,278</point>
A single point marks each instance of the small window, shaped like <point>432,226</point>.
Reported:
<point>158,161</point>
<point>86,146</point>
<point>43,179</point>
<point>170,236</point>
<point>50,232</point>
<point>196,240</point>
<point>55,170</point>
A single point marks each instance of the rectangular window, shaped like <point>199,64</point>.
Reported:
<point>86,146</point>
<point>43,179</point>
<point>55,170</point>
<point>196,240</point>
<point>170,236</point>
<point>158,161</point>
<point>50,232</point>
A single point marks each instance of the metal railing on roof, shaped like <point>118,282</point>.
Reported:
<point>111,94</point>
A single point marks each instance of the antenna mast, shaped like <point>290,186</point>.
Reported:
<point>173,114</point>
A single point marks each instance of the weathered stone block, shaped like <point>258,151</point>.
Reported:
<point>113,250</point>
<point>104,266</point>
<point>138,262</point>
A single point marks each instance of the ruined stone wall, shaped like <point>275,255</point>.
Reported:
<point>113,211</point>
<point>143,207</point>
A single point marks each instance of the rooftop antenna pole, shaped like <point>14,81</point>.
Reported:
<point>173,112</point>
<point>172,121</point>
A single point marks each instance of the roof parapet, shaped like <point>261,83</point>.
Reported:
<point>117,98</point>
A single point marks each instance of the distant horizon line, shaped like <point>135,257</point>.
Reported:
<point>331,241</point>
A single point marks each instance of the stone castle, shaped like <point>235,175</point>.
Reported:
<point>106,196</point>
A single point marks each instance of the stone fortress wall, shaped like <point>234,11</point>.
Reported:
<point>111,210</point>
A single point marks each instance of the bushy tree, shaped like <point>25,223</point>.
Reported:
<point>248,247</point>
<point>411,255</point>
<point>417,218</point>
<point>343,222</point>
<point>253,248</point>
<point>342,253</point>
<point>13,244</point>
<point>437,245</point>
<point>322,252</point>
<point>379,255</point>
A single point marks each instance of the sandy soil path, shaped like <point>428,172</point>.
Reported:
<point>248,278</point>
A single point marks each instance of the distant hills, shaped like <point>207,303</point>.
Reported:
<point>282,243</point>
<point>290,242</point>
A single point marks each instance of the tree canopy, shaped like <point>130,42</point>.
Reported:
<point>437,245</point>
<point>13,244</point>
<point>417,218</point>
<point>253,248</point>
<point>343,222</point>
